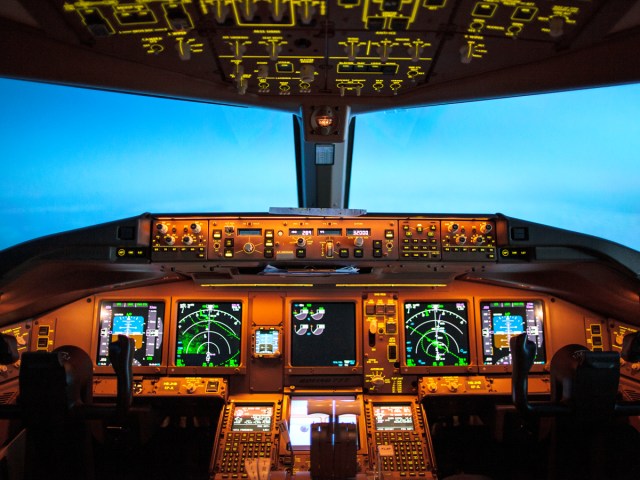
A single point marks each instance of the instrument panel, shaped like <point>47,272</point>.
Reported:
<point>283,48</point>
<point>338,240</point>
<point>271,338</point>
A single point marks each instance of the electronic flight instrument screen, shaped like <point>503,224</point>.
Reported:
<point>252,418</point>
<point>323,334</point>
<point>393,417</point>
<point>141,321</point>
<point>436,334</point>
<point>208,334</point>
<point>503,320</point>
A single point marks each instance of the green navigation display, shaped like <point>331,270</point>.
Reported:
<point>436,334</point>
<point>208,334</point>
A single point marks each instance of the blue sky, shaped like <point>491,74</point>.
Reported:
<point>73,158</point>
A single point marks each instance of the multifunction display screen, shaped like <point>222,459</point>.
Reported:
<point>208,334</point>
<point>141,321</point>
<point>323,334</point>
<point>436,334</point>
<point>393,417</point>
<point>252,418</point>
<point>503,320</point>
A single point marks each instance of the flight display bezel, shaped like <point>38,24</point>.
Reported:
<point>174,367</point>
<point>137,369</point>
<point>406,357</point>
<point>538,366</point>
<point>298,369</point>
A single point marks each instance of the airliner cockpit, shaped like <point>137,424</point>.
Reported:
<point>319,340</point>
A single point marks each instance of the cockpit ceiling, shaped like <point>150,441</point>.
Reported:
<point>370,54</point>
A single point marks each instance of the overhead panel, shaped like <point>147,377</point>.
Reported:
<point>379,48</point>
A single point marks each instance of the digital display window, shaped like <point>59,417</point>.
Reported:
<point>436,334</point>
<point>252,418</point>
<point>142,321</point>
<point>323,334</point>
<point>208,334</point>
<point>503,320</point>
<point>267,342</point>
<point>393,417</point>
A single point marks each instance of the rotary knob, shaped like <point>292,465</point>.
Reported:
<point>249,247</point>
<point>301,242</point>
<point>196,227</point>
<point>169,240</point>
<point>377,381</point>
<point>162,228</point>
<point>187,240</point>
<point>461,240</point>
<point>358,241</point>
<point>478,239</point>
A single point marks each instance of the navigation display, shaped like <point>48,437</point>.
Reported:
<point>208,334</point>
<point>436,334</point>
<point>503,320</point>
<point>393,417</point>
<point>323,334</point>
<point>252,418</point>
<point>141,321</point>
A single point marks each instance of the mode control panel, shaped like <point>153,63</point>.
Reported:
<point>343,240</point>
<point>292,239</point>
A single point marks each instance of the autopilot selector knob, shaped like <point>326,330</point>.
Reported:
<point>249,247</point>
<point>301,242</point>
<point>196,227</point>
<point>358,242</point>
<point>162,228</point>
<point>169,240</point>
<point>461,239</point>
<point>486,228</point>
<point>187,240</point>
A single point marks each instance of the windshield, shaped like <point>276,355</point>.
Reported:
<point>569,160</point>
<point>78,157</point>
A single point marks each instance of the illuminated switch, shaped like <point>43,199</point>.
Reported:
<point>377,244</point>
<point>391,328</point>
<point>379,309</point>
<point>596,340</point>
<point>389,234</point>
<point>268,253</point>
<point>377,252</point>
<point>524,14</point>
<point>217,234</point>
<point>392,352</point>
<point>390,310</point>
<point>358,253</point>
<point>43,331</point>
<point>370,309</point>
<point>301,253</point>
<point>228,242</point>
<point>228,253</point>
<point>344,253</point>
<point>595,329</point>
<point>486,10</point>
